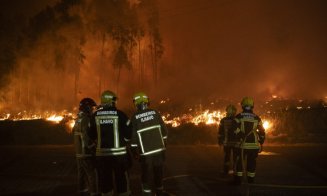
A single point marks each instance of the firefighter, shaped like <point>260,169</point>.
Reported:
<point>251,135</point>
<point>85,149</point>
<point>149,144</point>
<point>111,129</point>
<point>227,138</point>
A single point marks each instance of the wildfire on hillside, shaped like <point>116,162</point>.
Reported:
<point>54,117</point>
<point>206,117</point>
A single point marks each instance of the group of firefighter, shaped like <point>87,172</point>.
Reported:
<point>242,136</point>
<point>106,141</point>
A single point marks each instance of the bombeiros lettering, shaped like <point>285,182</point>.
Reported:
<point>142,115</point>
<point>106,112</point>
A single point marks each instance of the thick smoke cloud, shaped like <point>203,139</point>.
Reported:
<point>236,48</point>
<point>222,49</point>
<point>75,49</point>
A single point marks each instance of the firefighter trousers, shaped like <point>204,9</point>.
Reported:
<point>87,176</point>
<point>113,175</point>
<point>230,156</point>
<point>247,161</point>
<point>152,173</point>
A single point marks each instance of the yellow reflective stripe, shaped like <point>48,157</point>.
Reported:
<point>242,126</point>
<point>83,155</point>
<point>127,140</point>
<point>98,132</point>
<point>237,131</point>
<point>147,190</point>
<point>81,137</point>
<point>147,129</point>
<point>117,145</point>
<point>250,146</point>
<point>152,152</point>
<point>115,127</point>
<point>237,120</point>
<point>251,174</point>
<point>239,173</point>
<point>99,153</point>
<point>112,149</point>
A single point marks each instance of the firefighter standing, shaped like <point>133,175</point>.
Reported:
<point>251,134</point>
<point>111,128</point>
<point>149,144</point>
<point>227,138</point>
<point>85,149</point>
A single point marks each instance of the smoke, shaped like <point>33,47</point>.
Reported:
<point>223,49</point>
<point>76,49</point>
<point>255,48</point>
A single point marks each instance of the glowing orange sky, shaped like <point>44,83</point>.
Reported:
<point>233,48</point>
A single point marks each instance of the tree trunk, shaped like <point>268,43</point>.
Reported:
<point>118,78</point>
<point>77,73</point>
<point>101,64</point>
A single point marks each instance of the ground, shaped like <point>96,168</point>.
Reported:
<point>190,170</point>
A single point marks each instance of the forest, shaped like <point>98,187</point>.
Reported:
<point>77,48</point>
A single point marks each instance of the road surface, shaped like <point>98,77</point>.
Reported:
<point>190,170</point>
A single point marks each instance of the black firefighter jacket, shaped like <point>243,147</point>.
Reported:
<point>149,132</point>
<point>111,129</point>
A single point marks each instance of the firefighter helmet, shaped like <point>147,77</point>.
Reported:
<point>230,110</point>
<point>108,97</point>
<point>86,105</point>
<point>247,102</point>
<point>139,98</point>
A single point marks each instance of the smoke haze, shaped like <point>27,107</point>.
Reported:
<point>236,48</point>
<point>222,49</point>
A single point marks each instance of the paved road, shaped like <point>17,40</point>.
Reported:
<point>190,170</point>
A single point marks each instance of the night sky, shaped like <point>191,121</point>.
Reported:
<point>234,48</point>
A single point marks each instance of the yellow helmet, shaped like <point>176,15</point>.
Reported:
<point>108,97</point>
<point>230,110</point>
<point>139,98</point>
<point>247,102</point>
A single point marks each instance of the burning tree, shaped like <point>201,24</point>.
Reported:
<point>76,47</point>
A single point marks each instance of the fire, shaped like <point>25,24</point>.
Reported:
<point>63,117</point>
<point>71,123</point>
<point>267,124</point>
<point>206,117</point>
<point>55,118</point>
<point>175,122</point>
